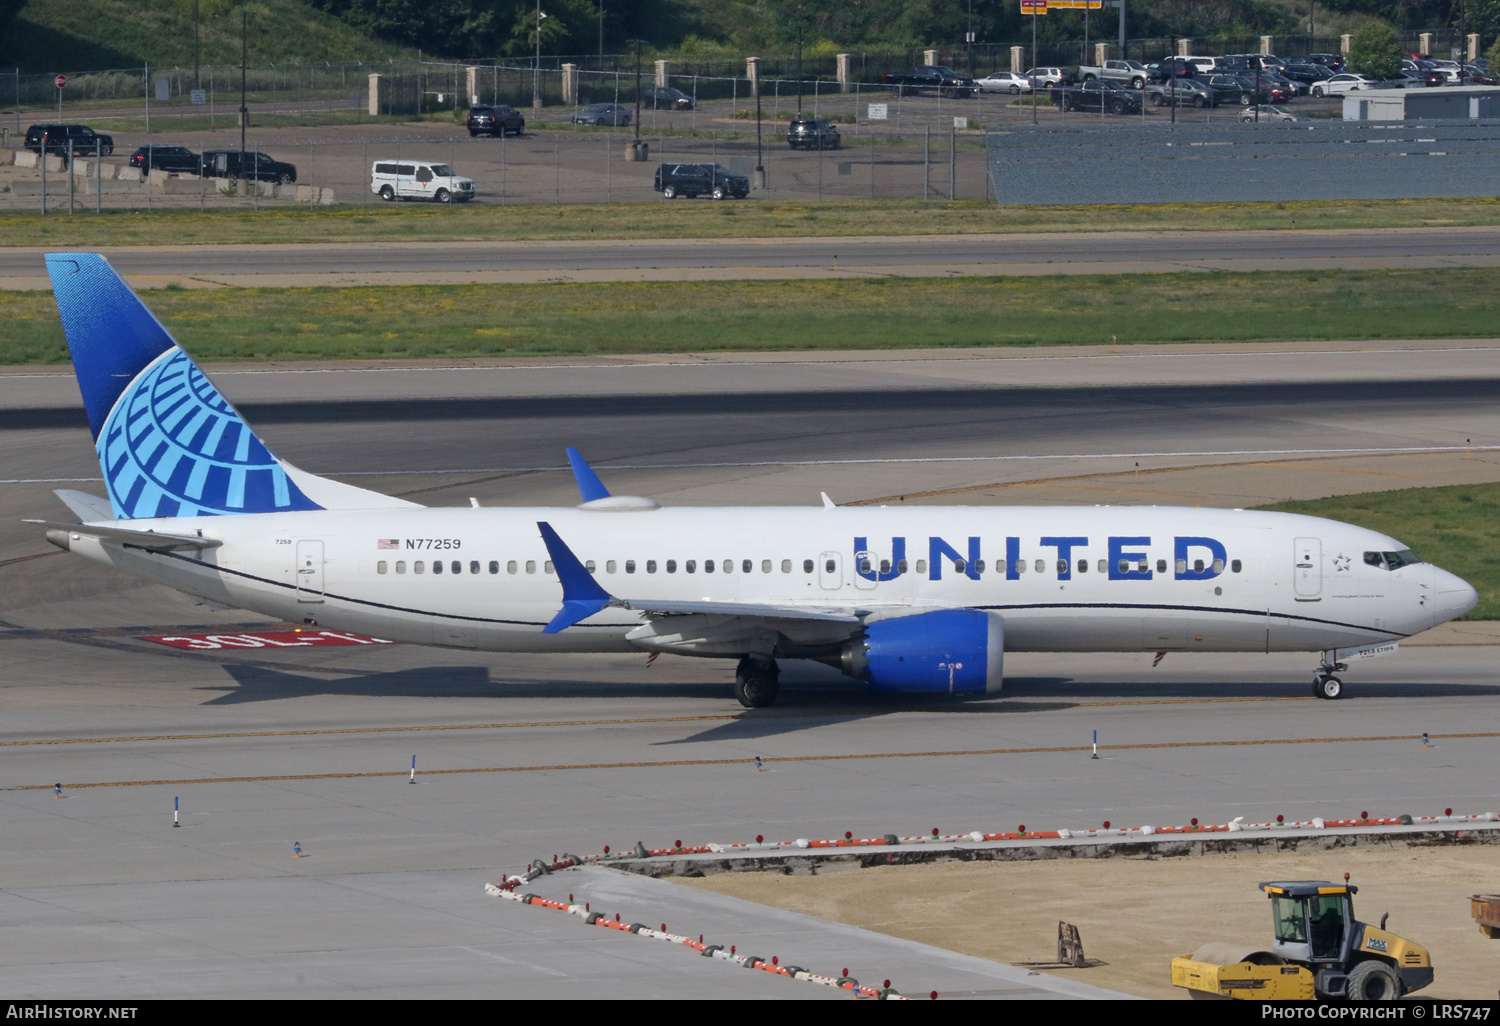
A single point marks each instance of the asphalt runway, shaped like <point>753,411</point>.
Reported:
<point>521,757</point>
<point>656,259</point>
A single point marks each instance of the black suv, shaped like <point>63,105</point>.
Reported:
<point>666,98</point>
<point>700,180</point>
<point>86,141</point>
<point>813,134</point>
<point>496,120</point>
<point>237,164</point>
<point>174,159</point>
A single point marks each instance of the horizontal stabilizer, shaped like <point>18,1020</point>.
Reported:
<point>152,541</point>
<point>84,505</point>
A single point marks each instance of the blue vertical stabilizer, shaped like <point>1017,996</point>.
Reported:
<point>169,444</point>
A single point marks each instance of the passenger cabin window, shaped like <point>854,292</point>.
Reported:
<point>417,566</point>
<point>437,566</point>
<point>650,566</point>
<point>547,567</point>
<point>630,566</point>
<point>786,566</point>
<point>708,566</point>
<point>1104,566</point>
<point>1182,566</point>
<point>901,566</point>
<point>671,566</point>
<point>400,566</point>
<point>510,566</point>
<point>609,566</point>
<point>1041,566</point>
<point>380,567</point>
<point>589,566</point>
<point>1234,566</point>
<point>885,566</point>
<point>807,566</point>
<point>1083,566</point>
<point>691,566</point>
<point>531,566</point>
<point>864,566</point>
<point>1161,566</point>
<point>829,566</point>
<point>1020,566</point>
<point>1197,566</point>
<point>959,566</point>
<point>729,566</point>
<point>1218,566</point>
<point>494,566</point>
<point>748,565</point>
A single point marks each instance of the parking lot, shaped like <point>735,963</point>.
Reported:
<point>916,151</point>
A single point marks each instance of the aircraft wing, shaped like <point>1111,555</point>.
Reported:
<point>583,596</point>
<point>152,541</point>
<point>654,609</point>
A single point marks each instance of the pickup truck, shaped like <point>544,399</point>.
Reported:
<point>1127,73</point>
<point>945,81</point>
<point>1110,97</point>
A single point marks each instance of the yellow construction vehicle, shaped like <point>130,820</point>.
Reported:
<point>1319,951</point>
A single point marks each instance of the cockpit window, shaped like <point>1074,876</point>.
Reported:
<point>1392,560</point>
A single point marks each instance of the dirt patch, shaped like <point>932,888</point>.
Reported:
<point>1137,914</point>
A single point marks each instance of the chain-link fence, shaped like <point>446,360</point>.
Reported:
<point>1092,162</point>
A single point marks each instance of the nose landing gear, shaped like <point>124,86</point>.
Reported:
<point>1325,684</point>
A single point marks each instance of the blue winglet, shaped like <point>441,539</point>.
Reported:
<point>589,485</point>
<point>582,595</point>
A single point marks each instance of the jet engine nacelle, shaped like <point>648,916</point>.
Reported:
<point>957,651</point>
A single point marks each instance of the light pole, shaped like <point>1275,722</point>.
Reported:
<point>601,36</point>
<point>536,70</point>
<point>244,61</point>
<point>970,37</point>
<point>799,62</point>
<point>195,44</point>
<point>637,145</point>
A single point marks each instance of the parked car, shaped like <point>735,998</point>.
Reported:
<point>666,98</point>
<point>1338,85</point>
<point>1048,77</point>
<point>1328,60</point>
<point>692,180</point>
<point>1097,95</point>
<point>495,119</point>
<point>1172,67</point>
<point>178,160</point>
<point>813,134</point>
<point>1012,82</point>
<point>1306,74</point>
<point>1127,73</point>
<point>237,164</point>
<point>1184,92</point>
<point>1267,112</point>
<point>85,141</point>
<point>603,114</point>
<point>1230,89</point>
<point>930,78</point>
<point>419,179</point>
<point>1205,65</point>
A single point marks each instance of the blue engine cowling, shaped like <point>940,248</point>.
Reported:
<point>953,651</point>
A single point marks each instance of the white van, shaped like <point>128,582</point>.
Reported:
<point>1204,65</point>
<point>419,179</point>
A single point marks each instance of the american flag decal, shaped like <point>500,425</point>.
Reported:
<point>388,543</point>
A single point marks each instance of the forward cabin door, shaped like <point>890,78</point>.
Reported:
<point>309,571</point>
<point>1307,584</point>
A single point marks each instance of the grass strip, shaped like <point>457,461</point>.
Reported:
<point>419,321</point>
<point>1455,526</point>
<point>761,218</point>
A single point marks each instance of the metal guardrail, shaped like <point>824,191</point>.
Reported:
<point>1122,160</point>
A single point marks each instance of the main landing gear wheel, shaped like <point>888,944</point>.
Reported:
<point>1327,686</point>
<point>755,683</point>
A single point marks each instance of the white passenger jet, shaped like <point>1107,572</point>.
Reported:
<point>905,599</point>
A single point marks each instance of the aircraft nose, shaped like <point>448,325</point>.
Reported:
<point>1455,597</point>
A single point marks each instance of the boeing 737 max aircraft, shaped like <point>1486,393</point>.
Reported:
<point>906,599</point>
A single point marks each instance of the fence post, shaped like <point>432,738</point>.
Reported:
<point>1265,45</point>
<point>1424,44</point>
<point>1184,47</point>
<point>1473,46</point>
<point>842,71</point>
<point>471,83</point>
<point>1018,59</point>
<point>663,68</point>
<point>929,56</point>
<point>373,107</point>
<point>570,84</point>
<point>1346,43</point>
<point>752,72</point>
